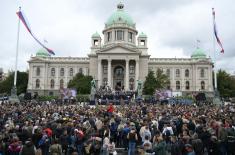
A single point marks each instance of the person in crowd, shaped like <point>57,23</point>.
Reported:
<point>55,148</point>
<point>28,148</point>
<point>189,149</point>
<point>15,147</point>
<point>159,146</point>
<point>132,138</point>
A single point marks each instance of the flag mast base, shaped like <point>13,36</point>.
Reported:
<point>14,98</point>
<point>216,99</point>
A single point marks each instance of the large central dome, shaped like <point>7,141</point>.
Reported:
<point>120,17</point>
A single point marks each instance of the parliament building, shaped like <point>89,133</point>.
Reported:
<point>119,59</point>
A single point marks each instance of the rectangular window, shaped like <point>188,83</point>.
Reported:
<point>119,35</point>
<point>132,69</point>
<point>130,36</point>
<point>109,36</point>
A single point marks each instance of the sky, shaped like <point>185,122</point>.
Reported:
<point>172,26</point>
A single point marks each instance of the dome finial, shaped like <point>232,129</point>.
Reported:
<point>120,6</point>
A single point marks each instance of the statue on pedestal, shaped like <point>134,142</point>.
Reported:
<point>93,90</point>
<point>139,88</point>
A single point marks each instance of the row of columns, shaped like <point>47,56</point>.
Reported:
<point>110,73</point>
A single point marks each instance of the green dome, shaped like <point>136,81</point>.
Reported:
<point>142,35</point>
<point>120,16</point>
<point>42,53</point>
<point>96,35</point>
<point>198,54</point>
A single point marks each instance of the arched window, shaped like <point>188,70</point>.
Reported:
<point>187,85</point>
<point>202,85</point>
<point>52,83</point>
<point>61,83</point>
<point>202,73</point>
<point>71,72</point>
<point>131,83</point>
<point>38,71</point>
<point>177,85</point>
<point>80,71</point>
<point>62,72</point>
<point>168,72</point>
<point>177,72</point>
<point>37,83</point>
<point>53,72</point>
<point>186,73</point>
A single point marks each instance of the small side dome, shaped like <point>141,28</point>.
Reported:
<point>95,35</point>
<point>142,35</point>
<point>42,53</point>
<point>198,54</point>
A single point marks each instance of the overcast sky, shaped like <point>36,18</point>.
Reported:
<point>172,26</point>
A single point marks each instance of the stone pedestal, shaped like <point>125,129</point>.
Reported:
<point>14,98</point>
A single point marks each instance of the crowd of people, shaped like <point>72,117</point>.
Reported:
<point>105,93</point>
<point>46,128</point>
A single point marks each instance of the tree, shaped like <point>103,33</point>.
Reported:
<point>7,84</point>
<point>226,84</point>
<point>81,83</point>
<point>150,84</point>
<point>161,79</point>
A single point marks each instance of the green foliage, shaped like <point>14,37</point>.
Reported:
<point>22,81</point>
<point>226,84</point>
<point>81,83</point>
<point>150,84</point>
<point>47,98</point>
<point>161,79</point>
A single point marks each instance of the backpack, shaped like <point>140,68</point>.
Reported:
<point>132,137</point>
<point>168,133</point>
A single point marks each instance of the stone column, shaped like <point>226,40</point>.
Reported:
<point>136,72</point>
<point>109,72</point>
<point>127,75</point>
<point>99,73</point>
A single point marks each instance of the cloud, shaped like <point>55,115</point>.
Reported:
<point>172,27</point>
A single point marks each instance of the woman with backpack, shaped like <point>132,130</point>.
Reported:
<point>133,138</point>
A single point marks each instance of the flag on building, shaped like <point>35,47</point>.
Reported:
<point>23,20</point>
<point>216,32</point>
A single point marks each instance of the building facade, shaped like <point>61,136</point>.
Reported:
<point>119,61</point>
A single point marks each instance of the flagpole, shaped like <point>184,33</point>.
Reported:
<point>14,89</point>
<point>215,69</point>
<point>17,49</point>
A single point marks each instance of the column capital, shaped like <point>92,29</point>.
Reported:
<point>109,59</point>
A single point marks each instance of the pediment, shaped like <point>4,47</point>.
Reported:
<point>118,49</point>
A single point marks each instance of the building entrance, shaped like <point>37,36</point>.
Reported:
<point>118,79</point>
